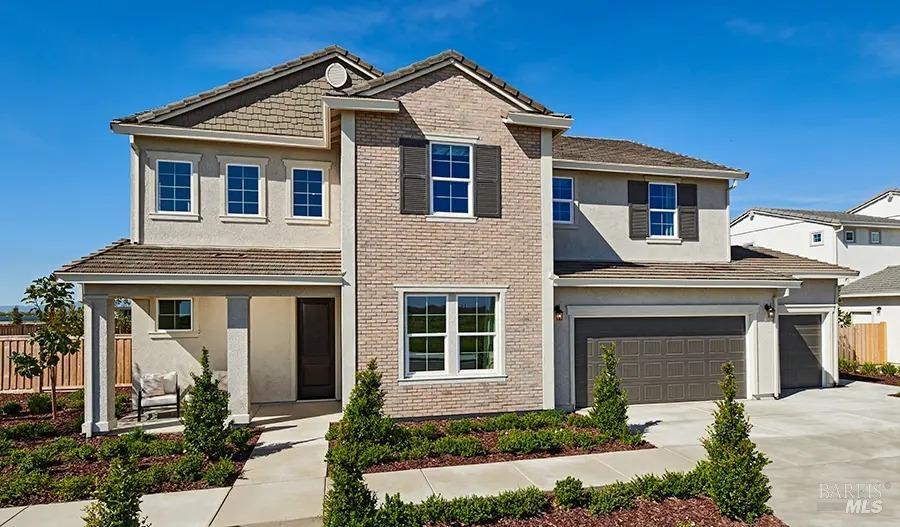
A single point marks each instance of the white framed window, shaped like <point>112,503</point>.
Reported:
<point>243,181</point>
<point>875,237</point>
<point>451,335</point>
<point>175,185</point>
<point>663,199</point>
<point>174,314</point>
<point>308,191</point>
<point>450,169</point>
<point>850,236</point>
<point>816,238</point>
<point>563,200</point>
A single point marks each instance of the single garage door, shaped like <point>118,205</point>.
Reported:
<point>800,350</point>
<point>661,359</point>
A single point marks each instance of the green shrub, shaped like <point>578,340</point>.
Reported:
<point>30,460</point>
<point>187,469</point>
<point>610,408</point>
<point>135,443</point>
<point>522,503</point>
<point>611,498</point>
<point>888,369</point>
<point>734,470</point>
<point>847,365</point>
<point>397,513</point>
<point>501,422</point>
<point>529,441</point>
<point>648,486</point>
<point>466,446</point>
<point>154,476</point>
<point>118,498</point>
<point>6,446</point>
<point>360,455</point>
<point>239,438</point>
<point>205,414</point>
<point>682,485</point>
<point>632,438</point>
<point>580,421</point>
<point>82,452</point>
<point>545,419</point>
<point>25,431</point>
<point>73,400</point>
<point>586,440</point>
<point>18,485</point>
<point>868,368</point>
<point>425,431</point>
<point>220,473</point>
<point>163,447</point>
<point>72,488</point>
<point>11,409</point>
<point>417,448</point>
<point>569,493</point>
<point>364,420</point>
<point>39,403</point>
<point>348,502</point>
<point>123,404</point>
<point>461,427</point>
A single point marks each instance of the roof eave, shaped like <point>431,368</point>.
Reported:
<point>653,170</point>
<point>196,279</point>
<point>677,283</point>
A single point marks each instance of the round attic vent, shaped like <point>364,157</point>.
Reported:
<point>336,75</point>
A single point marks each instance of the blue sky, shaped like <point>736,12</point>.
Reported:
<point>804,95</point>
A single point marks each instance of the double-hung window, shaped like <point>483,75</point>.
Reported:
<point>243,189</point>
<point>174,315</point>
<point>307,193</point>
<point>850,236</point>
<point>875,237</point>
<point>563,200</point>
<point>452,334</point>
<point>451,179</point>
<point>663,209</point>
<point>173,188</point>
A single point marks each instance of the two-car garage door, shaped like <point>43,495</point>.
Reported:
<point>661,359</point>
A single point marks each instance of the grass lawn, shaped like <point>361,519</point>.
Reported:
<point>45,460</point>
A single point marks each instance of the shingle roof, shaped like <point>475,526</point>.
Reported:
<point>148,115</point>
<point>748,263</point>
<point>124,257</point>
<point>829,216</point>
<point>621,151</point>
<point>450,55</point>
<point>883,282</point>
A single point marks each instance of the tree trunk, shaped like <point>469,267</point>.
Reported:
<point>53,391</point>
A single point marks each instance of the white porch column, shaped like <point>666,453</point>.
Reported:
<point>548,374</point>
<point>348,255</point>
<point>238,341</point>
<point>99,365</point>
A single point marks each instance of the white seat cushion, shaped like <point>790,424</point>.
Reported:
<point>152,384</point>
<point>159,400</point>
<point>170,380</point>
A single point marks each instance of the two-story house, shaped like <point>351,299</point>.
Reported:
<point>304,220</point>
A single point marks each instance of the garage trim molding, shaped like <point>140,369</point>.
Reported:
<point>676,282</point>
<point>748,311</point>
<point>829,335</point>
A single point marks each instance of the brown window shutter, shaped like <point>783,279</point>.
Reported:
<point>487,181</point>
<point>413,176</point>
<point>638,210</point>
<point>688,220</point>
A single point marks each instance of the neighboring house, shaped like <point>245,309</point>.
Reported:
<point>876,298</point>
<point>312,217</point>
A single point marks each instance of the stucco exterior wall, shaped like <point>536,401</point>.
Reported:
<point>600,230</point>
<point>210,229</point>
<point>395,249</point>
<point>889,313</point>
<point>886,207</point>
<point>866,257</point>
<point>786,235</point>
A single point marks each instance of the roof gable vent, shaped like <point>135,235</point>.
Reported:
<point>336,75</point>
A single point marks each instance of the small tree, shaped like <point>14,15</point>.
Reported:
<point>348,503</point>
<point>57,334</point>
<point>364,420</point>
<point>206,414</point>
<point>16,316</point>
<point>734,469</point>
<point>118,498</point>
<point>610,408</point>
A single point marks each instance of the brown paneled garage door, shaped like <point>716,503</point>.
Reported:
<point>661,359</point>
<point>800,350</point>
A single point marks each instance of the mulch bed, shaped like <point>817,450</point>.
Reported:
<point>892,380</point>
<point>667,513</point>
<point>62,415</point>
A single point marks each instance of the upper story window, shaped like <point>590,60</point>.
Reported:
<point>663,208</point>
<point>243,189</point>
<point>451,179</point>
<point>307,193</point>
<point>174,315</point>
<point>875,237</point>
<point>850,236</point>
<point>815,238</point>
<point>563,200</point>
<point>174,186</point>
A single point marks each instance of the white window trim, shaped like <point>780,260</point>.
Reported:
<point>152,171</point>
<point>445,335</point>
<point>873,235</point>
<point>471,181</point>
<point>850,232</point>
<point>812,238</point>
<point>259,162</point>
<point>174,333</point>
<point>295,164</point>
<point>650,211</point>
<point>452,372</point>
<point>571,202</point>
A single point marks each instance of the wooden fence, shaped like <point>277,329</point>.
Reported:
<point>864,342</point>
<point>17,329</point>
<point>70,372</point>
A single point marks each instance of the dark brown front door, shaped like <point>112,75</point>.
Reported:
<point>315,348</point>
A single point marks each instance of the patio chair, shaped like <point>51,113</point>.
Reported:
<point>158,390</point>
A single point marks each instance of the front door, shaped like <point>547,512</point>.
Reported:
<point>315,348</point>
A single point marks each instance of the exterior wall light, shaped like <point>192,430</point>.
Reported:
<point>557,312</point>
<point>770,310</point>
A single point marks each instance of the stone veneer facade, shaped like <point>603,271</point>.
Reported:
<point>397,249</point>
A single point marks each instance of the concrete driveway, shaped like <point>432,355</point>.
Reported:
<point>823,445</point>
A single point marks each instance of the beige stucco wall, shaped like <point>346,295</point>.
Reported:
<point>211,230</point>
<point>600,231</point>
